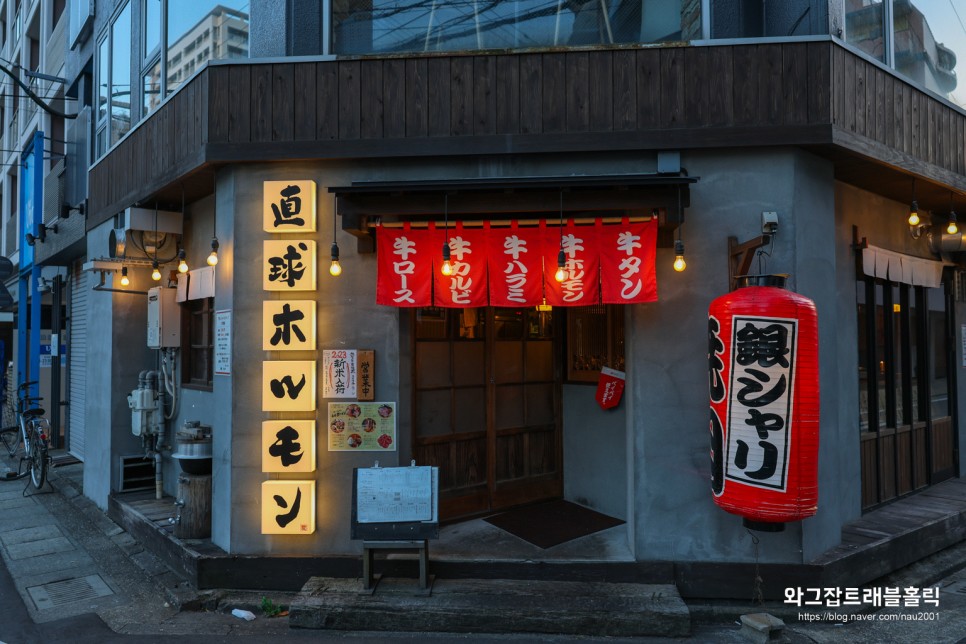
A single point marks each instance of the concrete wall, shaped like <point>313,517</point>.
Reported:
<point>594,446</point>
<point>667,367</point>
<point>116,353</point>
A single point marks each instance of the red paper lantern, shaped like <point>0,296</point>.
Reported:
<point>763,377</point>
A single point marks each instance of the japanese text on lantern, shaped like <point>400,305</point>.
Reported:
<point>288,507</point>
<point>760,400</point>
<point>288,206</point>
<point>288,446</point>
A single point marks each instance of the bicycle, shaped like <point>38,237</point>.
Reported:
<point>31,435</point>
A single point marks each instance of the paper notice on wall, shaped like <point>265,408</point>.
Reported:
<point>339,373</point>
<point>223,342</point>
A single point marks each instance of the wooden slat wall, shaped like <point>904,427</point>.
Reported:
<point>871,102</point>
<point>654,98</point>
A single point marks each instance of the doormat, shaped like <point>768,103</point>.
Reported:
<point>549,524</point>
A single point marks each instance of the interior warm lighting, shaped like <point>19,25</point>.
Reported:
<point>213,257</point>
<point>156,272</point>
<point>679,263</point>
<point>335,268</point>
<point>914,214</point>
<point>124,278</point>
<point>288,507</point>
<point>447,267</point>
<point>561,273</point>
<point>288,446</point>
<point>896,308</point>
<point>182,264</point>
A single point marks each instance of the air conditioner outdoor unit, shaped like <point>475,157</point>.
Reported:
<point>148,227</point>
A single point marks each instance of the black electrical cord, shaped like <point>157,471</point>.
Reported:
<point>36,99</point>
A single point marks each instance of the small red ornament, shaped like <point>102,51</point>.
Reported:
<point>610,388</point>
<point>764,390</point>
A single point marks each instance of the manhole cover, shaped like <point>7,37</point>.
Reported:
<point>63,592</point>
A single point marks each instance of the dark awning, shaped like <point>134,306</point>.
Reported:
<point>363,204</point>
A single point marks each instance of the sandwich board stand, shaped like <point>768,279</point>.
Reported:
<point>395,509</point>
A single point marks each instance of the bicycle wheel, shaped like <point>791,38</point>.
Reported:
<point>37,455</point>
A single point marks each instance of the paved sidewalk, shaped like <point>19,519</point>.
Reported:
<point>68,559</point>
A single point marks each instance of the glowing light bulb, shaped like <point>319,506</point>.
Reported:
<point>561,273</point>
<point>124,279</point>
<point>913,218</point>
<point>156,273</point>
<point>335,268</point>
<point>182,266</point>
<point>679,263</point>
<point>213,257</point>
<point>447,267</point>
<point>952,228</point>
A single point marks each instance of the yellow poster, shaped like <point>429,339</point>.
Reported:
<point>362,427</point>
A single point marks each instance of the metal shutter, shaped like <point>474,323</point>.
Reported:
<point>77,359</point>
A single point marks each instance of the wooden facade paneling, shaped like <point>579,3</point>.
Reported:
<point>817,94</point>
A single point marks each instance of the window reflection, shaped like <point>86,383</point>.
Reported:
<point>203,31</point>
<point>865,26</point>
<point>930,37</point>
<point>375,26</point>
<point>121,75</point>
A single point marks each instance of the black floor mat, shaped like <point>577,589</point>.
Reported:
<point>551,523</point>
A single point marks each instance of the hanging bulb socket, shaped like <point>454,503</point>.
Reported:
<point>182,264</point>
<point>156,271</point>
<point>125,281</point>
<point>213,257</point>
<point>679,263</point>
<point>447,267</point>
<point>914,214</point>
<point>561,273</point>
<point>952,228</point>
<point>335,268</point>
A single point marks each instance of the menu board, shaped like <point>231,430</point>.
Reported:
<point>396,494</point>
<point>362,427</point>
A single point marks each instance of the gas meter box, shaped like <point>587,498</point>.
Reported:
<point>164,318</point>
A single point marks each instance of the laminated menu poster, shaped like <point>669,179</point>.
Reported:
<point>362,427</point>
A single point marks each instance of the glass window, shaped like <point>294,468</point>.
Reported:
<point>202,31</point>
<point>197,343</point>
<point>377,26</point>
<point>151,88</point>
<point>120,103</point>
<point>930,44</point>
<point>103,78</point>
<point>595,339</point>
<point>152,26</point>
<point>865,26</point>
<point>752,19</point>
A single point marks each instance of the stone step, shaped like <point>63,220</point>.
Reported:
<point>493,606</point>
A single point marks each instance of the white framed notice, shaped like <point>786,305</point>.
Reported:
<point>223,342</point>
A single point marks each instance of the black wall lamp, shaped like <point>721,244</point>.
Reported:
<point>41,235</point>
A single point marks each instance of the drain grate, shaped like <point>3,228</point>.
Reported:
<point>63,592</point>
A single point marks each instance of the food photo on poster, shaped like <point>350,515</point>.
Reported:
<point>362,427</point>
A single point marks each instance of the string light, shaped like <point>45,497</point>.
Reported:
<point>124,278</point>
<point>335,268</point>
<point>156,272</point>
<point>213,257</point>
<point>447,267</point>
<point>182,264</point>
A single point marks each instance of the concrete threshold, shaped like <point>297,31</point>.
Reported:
<point>493,606</point>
